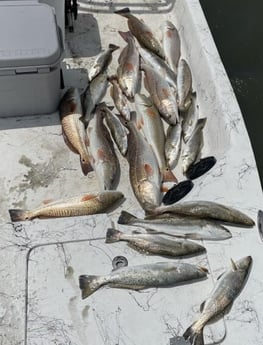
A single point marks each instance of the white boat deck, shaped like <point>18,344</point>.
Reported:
<point>40,300</point>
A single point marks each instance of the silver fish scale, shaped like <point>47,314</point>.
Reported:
<point>154,275</point>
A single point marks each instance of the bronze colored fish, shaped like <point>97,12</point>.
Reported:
<point>144,172</point>
<point>155,244</point>
<point>83,205</point>
<point>101,149</point>
<point>162,94</point>
<point>73,128</point>
<point>152,126</point>
<point>142,32</point>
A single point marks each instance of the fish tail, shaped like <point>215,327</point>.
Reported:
<point>113,47</point>
<point>125,12</point>
<point>125,35</point>
<point>17,215</point>
<point>113,235</point>
<point>194,336</point>
<point>168,176</point>
<point>126,218</point>
<point>88,285</point>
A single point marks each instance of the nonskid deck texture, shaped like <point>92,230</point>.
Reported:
<point>41,260</point>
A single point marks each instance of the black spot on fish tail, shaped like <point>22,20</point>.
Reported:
<point>18,215</point>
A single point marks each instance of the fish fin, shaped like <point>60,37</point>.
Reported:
<point>126,218</point>
<point>154,232</point>
<point>194,337</point>
<point>125,12</point>
<point>234,266</point>
<point>164,188</point>
<point>112,235</point>
<point>88,197</point>
<point>17,215</point>
<point>113,47</point>
<point>148,169</point>
<point>137,232</point>
<point>220,275</point>
<point>88,285</point>
<point>202,305</point>
<point>113,78</point>
<point>126,35</point>
<point>47,201</point>
<point>168,176</point>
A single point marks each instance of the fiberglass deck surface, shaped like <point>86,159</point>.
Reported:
<point>41,260</point>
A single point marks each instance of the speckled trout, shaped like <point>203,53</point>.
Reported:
<point>160,274</point>
<point>207,209</point>
<point>73,128</point>
<point>178,226</point>
<point>184,84</point>
<point>194,145</point>
<point>226,290</point>
<point>155,244</point>
<point>102,61</point>
<point>83,205</point>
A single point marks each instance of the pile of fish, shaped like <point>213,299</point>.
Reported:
<point>157,126</point>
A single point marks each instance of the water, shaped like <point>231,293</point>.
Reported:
<point>238,33</point>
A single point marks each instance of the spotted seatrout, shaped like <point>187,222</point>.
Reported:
<point>160,274</point>
<point>226,290</point>
<point>83,205</point>
<point>207,209</point>
<point>102,61</point>
<point>155,244</point>
<point>178,226</point>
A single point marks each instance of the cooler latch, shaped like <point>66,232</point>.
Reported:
<point>31,70</point>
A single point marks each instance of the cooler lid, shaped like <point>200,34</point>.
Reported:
<point>28,34</point>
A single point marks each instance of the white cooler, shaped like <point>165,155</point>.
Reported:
<point>31,49</point>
